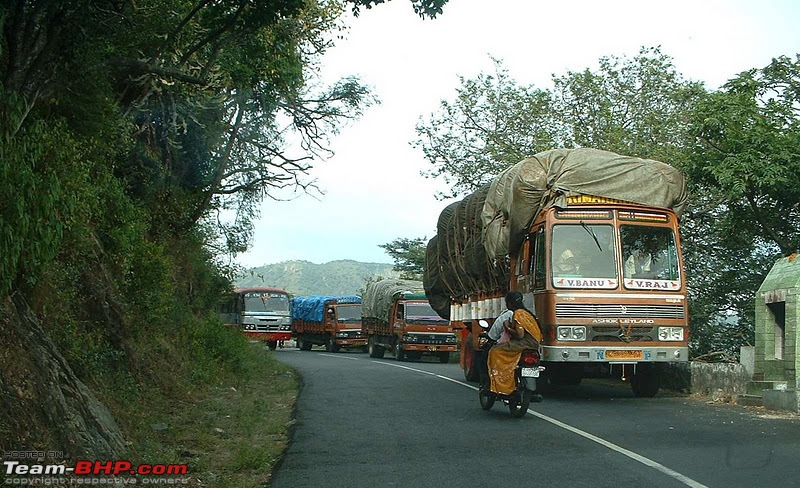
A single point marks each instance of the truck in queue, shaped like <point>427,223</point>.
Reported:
<point>591,240</point>
<point>397,317</point>
<point>260,313</point>
<point>330,321</point>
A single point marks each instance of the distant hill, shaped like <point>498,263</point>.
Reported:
<point>343,277</point>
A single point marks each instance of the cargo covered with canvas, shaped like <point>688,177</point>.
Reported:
<point>475,235</point>
<point>381,295</point>
<point>312,308</point>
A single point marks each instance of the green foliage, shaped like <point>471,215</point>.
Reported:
<point>34,204</point>
<point>423,8</point>
<point>408,256</point>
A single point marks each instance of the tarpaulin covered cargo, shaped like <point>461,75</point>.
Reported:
<point>380,295</point>
<point>312,308</point>
<point>476,234</point>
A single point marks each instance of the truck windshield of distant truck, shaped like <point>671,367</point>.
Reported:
<point>348,313</point>
<point>266,302</point>
<point>421,312</point>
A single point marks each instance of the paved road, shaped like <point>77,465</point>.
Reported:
<point>365,422</point>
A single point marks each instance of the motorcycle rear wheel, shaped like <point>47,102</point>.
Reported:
<point>518,403</point>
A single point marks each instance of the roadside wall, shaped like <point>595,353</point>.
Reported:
<point>707,378</point>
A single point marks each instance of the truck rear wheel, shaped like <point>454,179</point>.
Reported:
<point>304,345</point>
<point>375,351</point>
<point>471,372</point>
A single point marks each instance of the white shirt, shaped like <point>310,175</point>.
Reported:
<point>497,327</point>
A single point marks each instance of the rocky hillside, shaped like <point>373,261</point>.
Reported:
<point>305,278</point>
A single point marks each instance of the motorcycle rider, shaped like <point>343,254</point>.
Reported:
<point>523,330</point>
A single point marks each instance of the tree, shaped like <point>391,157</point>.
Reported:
<point>744,174</point>
<point>638,107</point>
<point>408,256</point>
<point>493,123</point>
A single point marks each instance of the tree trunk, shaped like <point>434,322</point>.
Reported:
<point>83,426</point>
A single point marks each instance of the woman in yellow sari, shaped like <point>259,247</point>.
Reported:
<point>503,358</point>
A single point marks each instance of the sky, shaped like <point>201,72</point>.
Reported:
<point>373,189</point>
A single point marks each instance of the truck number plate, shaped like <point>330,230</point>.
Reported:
<point>624,354</point>
<point>530,372</point>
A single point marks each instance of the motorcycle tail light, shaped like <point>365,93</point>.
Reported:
<point>530,358</point>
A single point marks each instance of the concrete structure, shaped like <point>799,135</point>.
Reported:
<point>777,315</point>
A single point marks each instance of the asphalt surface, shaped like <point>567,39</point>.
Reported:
<point>363,422</point>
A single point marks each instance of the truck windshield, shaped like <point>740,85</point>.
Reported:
<point>266,302</point>
<point>584,256</point>
<point>649,254</point>
<point>422,312</point>
<point>349,313</point>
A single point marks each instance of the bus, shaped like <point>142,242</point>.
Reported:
<point>260,313</point>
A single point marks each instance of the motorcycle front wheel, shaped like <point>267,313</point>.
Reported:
<point>519,402</point>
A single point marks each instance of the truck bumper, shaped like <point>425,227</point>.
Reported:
<point>430,347</point>
<point>615,354</point>
<point>268,336</point>
<point>351,342</point>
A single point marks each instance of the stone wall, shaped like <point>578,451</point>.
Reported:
<point>707,378</point>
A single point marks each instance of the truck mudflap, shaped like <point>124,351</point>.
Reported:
<point>268,336</point>
<point>615,354</point>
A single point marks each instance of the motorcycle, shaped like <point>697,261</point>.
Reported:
<point>525,373</point>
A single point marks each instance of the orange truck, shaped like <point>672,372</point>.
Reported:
<point>330,321</point>
<point>590,238</point>
<point>397,317</point>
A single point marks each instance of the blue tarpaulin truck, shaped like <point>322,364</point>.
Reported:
<point>330,321</point>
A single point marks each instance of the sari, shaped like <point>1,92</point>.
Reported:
<point>503,358</point>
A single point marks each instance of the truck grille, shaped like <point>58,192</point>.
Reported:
<point>429,339</point>
<point>608,333</point>
<point>592,311</point>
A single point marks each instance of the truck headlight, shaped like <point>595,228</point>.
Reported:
<point>450,339</point>
<point>670,333</point>
<point>571,333</point>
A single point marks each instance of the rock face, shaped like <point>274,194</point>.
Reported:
<point>36,378</point>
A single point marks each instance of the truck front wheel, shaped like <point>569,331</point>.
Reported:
<point>646,382</point>
<point>399,353</point>
<point>375,351</point>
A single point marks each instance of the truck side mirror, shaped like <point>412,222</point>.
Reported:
<point>484,324</point>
